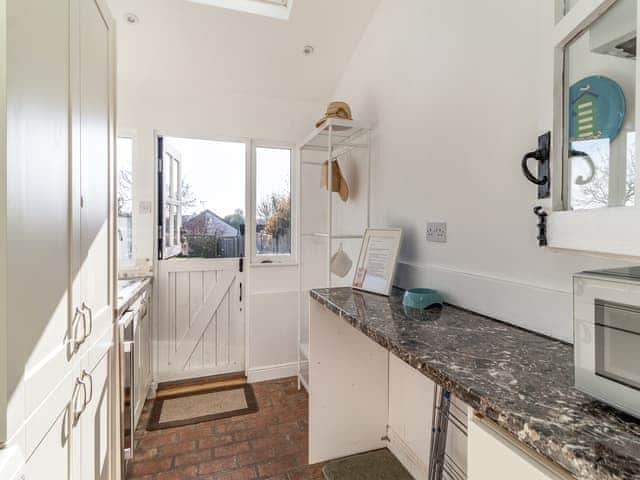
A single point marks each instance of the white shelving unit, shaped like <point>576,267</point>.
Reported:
<point>326,222</point>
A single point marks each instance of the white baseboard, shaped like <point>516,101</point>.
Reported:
<point>407,457</point>
<point>543,310</point>
<point>272,372</point>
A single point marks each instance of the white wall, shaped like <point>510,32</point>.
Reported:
<point>272,327</point>
<point>458,92</point>
<point>197,71</point>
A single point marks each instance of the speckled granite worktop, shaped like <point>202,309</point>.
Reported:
<point>521,380</point>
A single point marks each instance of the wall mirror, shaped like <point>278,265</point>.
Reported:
<point>595,126</point>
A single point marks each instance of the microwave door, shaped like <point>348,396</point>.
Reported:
<point>617,331</point>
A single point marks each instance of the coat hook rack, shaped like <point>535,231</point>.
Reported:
<point>542,154</point>
<point>542,225</point>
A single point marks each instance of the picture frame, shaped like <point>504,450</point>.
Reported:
<point>377,260</point>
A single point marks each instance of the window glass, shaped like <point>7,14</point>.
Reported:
<point>599,98</point>
<point>273,201</point>
<point>124,153</point>
<point>210,190</point>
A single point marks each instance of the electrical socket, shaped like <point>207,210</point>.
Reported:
<point>437,232</point>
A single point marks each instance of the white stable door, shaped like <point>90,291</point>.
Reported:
<point>201,330</point>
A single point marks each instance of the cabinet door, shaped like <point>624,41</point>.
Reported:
<point>494,456</point>
<point>95,422</point>
<point>95,168</point>
<point>37,205</point>
<point>51,459</point>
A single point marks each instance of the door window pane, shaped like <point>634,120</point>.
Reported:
<point>273,201</point>
<point>124,155</point>
<point>212,197</point>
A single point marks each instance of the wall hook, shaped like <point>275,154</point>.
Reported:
<point>542,225</point>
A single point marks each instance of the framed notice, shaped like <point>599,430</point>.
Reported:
<point>377,260</point>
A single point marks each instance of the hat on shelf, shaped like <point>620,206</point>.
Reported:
<point>338,182</point>
<point>336,110</point>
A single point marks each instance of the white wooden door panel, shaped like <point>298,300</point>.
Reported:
<point>95,424</point>
<point>201,328</point>
<point>95,168</point>
<point>51,460</point>
<point>37,205</point>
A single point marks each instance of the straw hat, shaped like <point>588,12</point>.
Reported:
<point>338,182</point>
<point>336,110</point>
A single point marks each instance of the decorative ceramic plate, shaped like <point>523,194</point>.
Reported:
<point>597,109</point>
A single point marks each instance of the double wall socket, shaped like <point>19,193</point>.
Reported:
<point>437,232</point>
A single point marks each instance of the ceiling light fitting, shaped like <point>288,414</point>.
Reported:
<point>308,50</point>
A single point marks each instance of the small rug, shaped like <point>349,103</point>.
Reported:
<point>202,406</point>
<point>378,465</point>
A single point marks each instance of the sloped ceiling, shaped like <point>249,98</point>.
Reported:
<point>178,44</point>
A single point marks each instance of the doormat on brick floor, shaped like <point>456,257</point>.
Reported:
<point>378,465</point>
<point>202,406</point>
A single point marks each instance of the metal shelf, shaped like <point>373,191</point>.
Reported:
<point>336,137</point>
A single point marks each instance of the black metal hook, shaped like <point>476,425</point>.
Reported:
<point>542,155</point>
<point>542,225</point>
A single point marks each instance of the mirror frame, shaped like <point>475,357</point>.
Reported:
<point>611,230</point>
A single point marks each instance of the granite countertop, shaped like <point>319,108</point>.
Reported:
<point>128,291</point>
<point>520,380</point>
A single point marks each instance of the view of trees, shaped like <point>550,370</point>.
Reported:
<point>274,214</point>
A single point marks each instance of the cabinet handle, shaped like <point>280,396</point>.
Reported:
<point>87,375</point>
<point>85,307</point>
<point>77,341</point>
<point>77,412</point>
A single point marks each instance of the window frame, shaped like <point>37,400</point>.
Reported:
<point>612,230</point>
<point>174,248</point>
<point>131,135</point>
<point>285,259</point>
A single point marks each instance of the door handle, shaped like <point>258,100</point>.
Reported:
<point>543,156</point>
<point>537,155</point>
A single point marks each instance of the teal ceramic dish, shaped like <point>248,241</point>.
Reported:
<point>421,298</point>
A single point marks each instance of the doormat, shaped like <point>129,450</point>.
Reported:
<point>202,406</point>
<point>379,465</point>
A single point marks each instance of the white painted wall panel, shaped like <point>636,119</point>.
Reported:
<point>457,95</point>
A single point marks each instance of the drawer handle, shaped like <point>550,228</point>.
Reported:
<point>77,341</point>
<point>86,308</point>
<point>88,376</point>
<point>77,412</point>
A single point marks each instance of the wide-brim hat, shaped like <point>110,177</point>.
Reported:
<point>338,182</point>
<point>336,110</point>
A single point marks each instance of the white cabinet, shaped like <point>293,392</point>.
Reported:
<point>412,399</point>
<point>494,456</point>
<point>91,142</point>
<point>56,187</point>
<point>142,351</point>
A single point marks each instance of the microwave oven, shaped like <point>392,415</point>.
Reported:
<point>606,311</point>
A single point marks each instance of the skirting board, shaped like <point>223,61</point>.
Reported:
<point>546,311</point>
<point>272,372</point>
<point>409,460</point>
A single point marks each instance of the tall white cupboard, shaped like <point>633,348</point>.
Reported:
<point>58,414</point>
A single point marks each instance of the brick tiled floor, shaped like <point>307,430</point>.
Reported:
<point>271,444</point>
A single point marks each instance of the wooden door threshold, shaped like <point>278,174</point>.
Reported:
<point>199,384</point>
